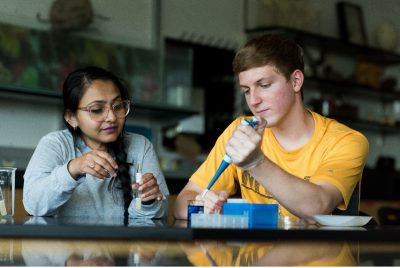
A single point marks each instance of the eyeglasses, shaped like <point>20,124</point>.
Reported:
<point>99,112</point>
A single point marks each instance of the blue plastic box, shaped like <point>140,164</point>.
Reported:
<point>259,214</point>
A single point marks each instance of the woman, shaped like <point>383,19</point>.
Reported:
<point>89,169</point>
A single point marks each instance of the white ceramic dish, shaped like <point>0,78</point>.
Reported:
<point>341,228</point>
<point>339,220</point>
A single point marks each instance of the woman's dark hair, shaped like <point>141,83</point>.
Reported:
<point>74,86</point>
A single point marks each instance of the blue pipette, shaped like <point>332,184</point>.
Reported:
<point>227,160</point>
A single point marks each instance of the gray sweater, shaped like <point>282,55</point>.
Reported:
<point>49,189</point>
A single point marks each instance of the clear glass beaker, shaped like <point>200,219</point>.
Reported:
<point>7,191</point>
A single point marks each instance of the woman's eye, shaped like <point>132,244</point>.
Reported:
<point>97,110</point>
<point>118,107</point>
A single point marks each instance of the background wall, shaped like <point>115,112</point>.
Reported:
<point>128,22</point>
<point>215,23</point>
<point>218,23</point>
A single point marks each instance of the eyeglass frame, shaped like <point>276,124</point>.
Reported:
<point>87,109</point>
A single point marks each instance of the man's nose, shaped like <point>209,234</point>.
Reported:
<point>254,98</point>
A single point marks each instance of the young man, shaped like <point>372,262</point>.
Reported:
<point>307,163</point>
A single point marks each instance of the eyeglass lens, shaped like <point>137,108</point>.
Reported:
<point>100,112</point>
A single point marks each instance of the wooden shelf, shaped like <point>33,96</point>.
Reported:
<point>349,88</point>
<point>362,125</point>
<point>325,43</point>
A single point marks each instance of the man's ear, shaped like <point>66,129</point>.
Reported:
<point>71,119</point>
<point>297,80</point>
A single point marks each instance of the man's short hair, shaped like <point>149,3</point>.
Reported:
<point>283,54</point>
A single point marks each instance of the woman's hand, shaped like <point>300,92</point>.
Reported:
<point>149,188</point>
<point>75,260</point>
<point>97,163</point>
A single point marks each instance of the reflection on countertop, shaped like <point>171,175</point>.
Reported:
<point>49,241</point>
<point>271,254</point>
<point>39,252</point>
<point>96,221</point>
<point>101,253</point>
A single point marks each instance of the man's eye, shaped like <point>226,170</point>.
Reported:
<point>265,85</point>
<point>245,91</point>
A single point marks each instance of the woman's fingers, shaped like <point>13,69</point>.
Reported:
<point>99,164</point>
<point>107,158</point>
<point>149,188</point>
<point>106,164</point>
<point>101,172</point>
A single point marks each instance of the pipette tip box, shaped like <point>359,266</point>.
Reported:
<point>259,215</point>
<point>219,221</point>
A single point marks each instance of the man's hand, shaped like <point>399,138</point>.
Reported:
<point>213,201</point>
<point>244,145</point>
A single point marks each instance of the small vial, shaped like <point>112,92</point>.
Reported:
<point>136,259</point>
<point>138,179</point>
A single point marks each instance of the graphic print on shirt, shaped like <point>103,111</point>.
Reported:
<point>252,184</point>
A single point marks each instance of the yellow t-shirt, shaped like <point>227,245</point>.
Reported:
<point>335,154</point>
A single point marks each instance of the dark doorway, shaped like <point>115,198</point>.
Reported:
<point>212,71</point>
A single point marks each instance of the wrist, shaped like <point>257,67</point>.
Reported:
<point>76,174</point>
<point>149,202</point>
<point>255,163</point>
